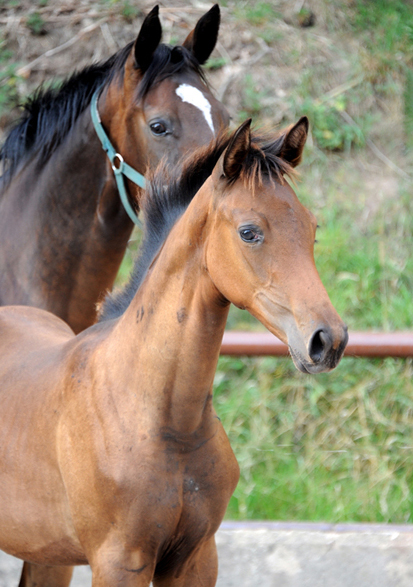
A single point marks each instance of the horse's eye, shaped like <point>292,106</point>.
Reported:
<point>158,128</point>
<point>251,234</point>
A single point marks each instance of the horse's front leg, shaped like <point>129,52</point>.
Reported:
<point>200,571</point>
<point>42,576</point>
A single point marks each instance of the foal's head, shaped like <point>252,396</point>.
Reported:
<point>161,101</point>
<point>259,247</point>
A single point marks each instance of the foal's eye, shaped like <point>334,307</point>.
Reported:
<point>251,234</point>
<point>158,128</point>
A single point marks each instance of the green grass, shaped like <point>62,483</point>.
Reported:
<point>255,13</point>
<point>408,108</point>
<point>365,264</point>
<point>9,95</point>
<point>334,447</point>
<point>387,30</point>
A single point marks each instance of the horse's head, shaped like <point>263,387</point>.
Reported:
<point>160,106</point>
<point>259,252</point>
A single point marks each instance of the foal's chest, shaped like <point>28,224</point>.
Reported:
<point>196,495</point>
<point>204,474</point>
<point>186,487</point>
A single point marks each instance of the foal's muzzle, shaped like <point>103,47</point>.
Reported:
<point>325,349</point>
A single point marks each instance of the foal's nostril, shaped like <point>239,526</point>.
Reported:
<point>319,345</point>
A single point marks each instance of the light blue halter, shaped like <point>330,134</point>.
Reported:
<point>120,168</point>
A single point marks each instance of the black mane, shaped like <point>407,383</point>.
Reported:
<point>50,113</point>
<point>168,195</point>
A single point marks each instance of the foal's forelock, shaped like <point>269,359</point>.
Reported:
<point>263,162</point>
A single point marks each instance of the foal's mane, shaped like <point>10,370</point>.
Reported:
<point>169,194</point>
<point>50,113</point>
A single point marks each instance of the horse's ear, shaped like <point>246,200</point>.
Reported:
<point>234,155</point>
<point>202,40</point>
<point>294,141</point>
<point>148,39</point>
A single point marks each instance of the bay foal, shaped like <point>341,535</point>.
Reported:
<point>111,451</point>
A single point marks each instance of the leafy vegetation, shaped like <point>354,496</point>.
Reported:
<point>408,108</point>
<point>328,127</point>
<point>129,11</point>
<point>35,23</point>
<point>9,95</point>
<point>256,13</point>
<point>387,32</point>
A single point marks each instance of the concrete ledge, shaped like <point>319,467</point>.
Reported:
<point>278,554</point>
<point>315,555</point>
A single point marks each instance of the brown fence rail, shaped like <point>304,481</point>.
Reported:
<point>360,344</point>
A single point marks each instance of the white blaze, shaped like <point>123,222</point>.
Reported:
<point>196,98</point>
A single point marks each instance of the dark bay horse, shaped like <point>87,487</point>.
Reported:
<point>63,228</point>
<point>111,452</point>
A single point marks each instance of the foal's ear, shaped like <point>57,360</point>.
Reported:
<point>148,39</point>
<point>294,141</point>
<point>234,155</point>
<point>202,40</point>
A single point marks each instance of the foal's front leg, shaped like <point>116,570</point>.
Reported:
<point>201,570</point>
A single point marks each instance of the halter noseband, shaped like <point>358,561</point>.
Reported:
<point>120,168</point>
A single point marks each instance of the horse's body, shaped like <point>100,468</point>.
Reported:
<point>64,230</point>
<point>111,452</point>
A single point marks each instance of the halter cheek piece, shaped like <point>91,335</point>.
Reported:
<point>120,168</point>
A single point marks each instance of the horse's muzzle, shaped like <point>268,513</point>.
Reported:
<point>325,349</point>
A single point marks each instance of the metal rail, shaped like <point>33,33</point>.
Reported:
<point>360,344</point>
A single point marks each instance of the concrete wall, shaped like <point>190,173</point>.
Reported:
<point>271,554</point>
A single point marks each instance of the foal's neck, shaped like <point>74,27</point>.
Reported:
<point>174,327</point>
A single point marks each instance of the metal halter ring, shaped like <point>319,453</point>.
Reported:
<point>118,157</point>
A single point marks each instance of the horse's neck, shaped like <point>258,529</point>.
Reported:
<point>173,331</point>
<point>66,228</point>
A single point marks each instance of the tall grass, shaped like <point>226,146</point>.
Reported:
<point>334,447</point>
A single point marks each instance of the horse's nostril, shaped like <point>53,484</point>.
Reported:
<point>319,344</point>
